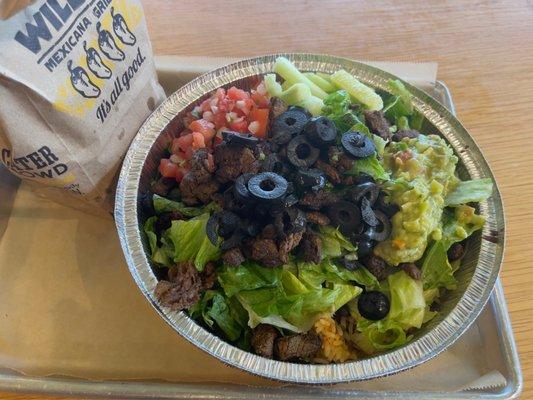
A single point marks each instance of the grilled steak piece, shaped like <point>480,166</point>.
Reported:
<point>263,338</point>
<point>198,185</point>
<point>315,217</point>
<point>377,123</point>
<point>318,200</point>
<point>184,289</point>
<point>233,161</point>
<point>233,257</point>
<point>311,247</point>
<point>301,346</point>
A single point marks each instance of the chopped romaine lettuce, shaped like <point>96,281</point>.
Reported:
<point>337,108</point>
<point>460,223</point>
<point>370,166</point>
<point>159,255</point>
<point>247,276</point>
<point>334,243</point>
<point>405,97</point>
<point>436,269</point>
<point>163,205</point>
<point>191,242</point>
<point>379,336</point>
<point>407,301</point>
<point>469,191</point>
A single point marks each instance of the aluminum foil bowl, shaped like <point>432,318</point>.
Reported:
<point>460,308</point>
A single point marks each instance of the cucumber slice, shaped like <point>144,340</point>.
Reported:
<point>296,94</point>
<point>289,72</point>
<point>312,104</point>
<point>323,84</point>
<point>272,86</point>
<point>326,77</point>
<point>358,90</point>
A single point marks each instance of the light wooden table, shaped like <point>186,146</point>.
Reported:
<point>485,55</point>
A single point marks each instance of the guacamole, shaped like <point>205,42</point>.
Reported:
<point>422,173</point>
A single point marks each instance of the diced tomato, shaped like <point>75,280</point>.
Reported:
<point>204,127</point>
<point>259,115</point>
<point>219,120</point>
<point>181,172</point>
<point>243,107</point>
<point>206,105</point>
<point>239,125</point>
<point>226,105</point>
<point>220,94</point>
<point>237,94</point>
<point>261,100</point>
<point>198,141</point>
<point>167,168</point>
<point>184,142</point>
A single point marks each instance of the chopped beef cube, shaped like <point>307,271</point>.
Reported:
<point>269,232</point>
<point>233,257</point>
<point>349,180</point>
<point>163,186</point>
<point>208,276</point>
<point>331,173</point>
<point>277,107</point>
<point>198,185</point>
<point>411,133</point>
<point>377,267</point>
<point>233,161</point>
<point>412,270</point>
<point>288,243</point>
<point>266,252</point>
<point>164,221</point>
<point>456,251</point>
<point>317,200</point>
<point>339,159</point>
<point>377,123</point>
<point>183,291</point>
<point>263,338</point>
<point>300,346</point>
<point>316,217</point>
<point>311,247</point>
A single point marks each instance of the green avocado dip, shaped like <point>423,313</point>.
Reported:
<point>422,173</point>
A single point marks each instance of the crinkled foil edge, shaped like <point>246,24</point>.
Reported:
<point>441,336</point>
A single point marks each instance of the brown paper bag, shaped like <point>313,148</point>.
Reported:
<point>77,79</point>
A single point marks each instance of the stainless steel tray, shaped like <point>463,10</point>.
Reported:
<point>494,315</point>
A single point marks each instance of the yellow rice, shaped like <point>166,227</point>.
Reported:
<point>334,347</point>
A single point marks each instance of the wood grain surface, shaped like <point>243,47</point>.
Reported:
<point>485,55</point>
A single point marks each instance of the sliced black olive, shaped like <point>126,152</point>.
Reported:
<point>382,231</point>
<point>357,145</point>
<point>239,139</point>
<point>310,178</point>
<point>228,223</point>
<point>289,221</point>
<point>273,163</point>
<point>345,215</point>
<point>363,178</point>
<point>211,229</point>
<point>147,204</point>
<point>241,189</point>
<point>349,263</point>
<point>388,208</point>
<point>367,213</point>
<point>364,248</point>
<point>368,189</point>
<point>234,240</point>
<point>288,125</point>
<point>300,109</point>
<point>320,131</point>
<point>373,305</point>
<point>267,186</point>
<point>301,153</point>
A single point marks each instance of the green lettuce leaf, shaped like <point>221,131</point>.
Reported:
<point>334,244</point>
<point>380,336</point>
<point>216,309</point>
<point>289,297</point>
<point>436,269</point>
<point>403,104</point>
<point>163,205</point>
<point>159,255</point>
<point>469,191</point>
<point>190,242</point>
<point>407,301</point>
<point>370,166</point>
<point>459,224</point>
<point>337,108</point>
<point>314,275</point>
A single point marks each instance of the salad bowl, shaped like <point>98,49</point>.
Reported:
<point>459,307</point>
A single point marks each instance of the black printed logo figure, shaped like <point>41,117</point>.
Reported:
<point>81,82</point>
<point>121,29</point>
<point>107,44</point>
<point>95,63</point>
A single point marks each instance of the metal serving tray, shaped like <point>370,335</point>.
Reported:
<point>495,314</point>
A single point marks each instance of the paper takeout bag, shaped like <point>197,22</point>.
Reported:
<point>77,79</point>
